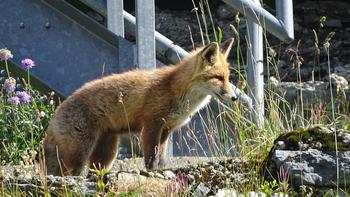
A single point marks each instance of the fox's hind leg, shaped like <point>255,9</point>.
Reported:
<point>105,150</point>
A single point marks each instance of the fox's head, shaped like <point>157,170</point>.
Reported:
<point>212,71</point>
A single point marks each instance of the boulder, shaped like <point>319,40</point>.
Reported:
<point>311,158</point>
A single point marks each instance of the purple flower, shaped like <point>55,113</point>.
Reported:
<point>27,64</point>
<point>23,96</point>
<point>14,100</point>
<point>5,54</point>
<point>9,85</point>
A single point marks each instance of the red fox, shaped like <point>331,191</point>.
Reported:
<point>86,127</point>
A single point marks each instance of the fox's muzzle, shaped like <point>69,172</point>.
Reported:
<point>229,94</point>
<point>242,97</point>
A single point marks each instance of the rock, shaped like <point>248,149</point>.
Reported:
<point>306,165</point>
<point>226,192</point>
<point>135,171</point>
<point>333,23</point>
<point>256,194</point>
<point>311,137</point>
<point>128,177</point>
<point>151,174</point>
<point>298,27</point>
<point>313,167</point>
<point>233,193</point>
<point>279,195</point>
<point>158,175</point>
<point>169,174</point>
<point>225,12</point>
<point>144,173</point>
<point>201,190</point>
<point>312,91</point>
<point>90,188</point>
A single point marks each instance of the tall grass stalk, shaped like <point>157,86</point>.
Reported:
<point>300,82</point>
<point>204,20</point>
<point>211,19</point>
<point>326,46</point>
<point>195,9</point>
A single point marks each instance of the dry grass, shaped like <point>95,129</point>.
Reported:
<point>138,185</point>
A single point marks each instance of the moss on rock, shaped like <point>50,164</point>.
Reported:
<point>316,137</point>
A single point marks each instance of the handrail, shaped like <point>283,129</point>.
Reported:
<point>165,49</point>
<point>280,26</point>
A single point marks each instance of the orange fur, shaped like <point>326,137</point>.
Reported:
<point>87,125</point>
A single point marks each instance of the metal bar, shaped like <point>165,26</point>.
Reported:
<point>284,12</point>
<point>115,21</point>
<point>145,40</point>
<point>255,69</point>
<point>281,27</point>
<point>166,49</point>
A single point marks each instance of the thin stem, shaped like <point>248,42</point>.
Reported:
<point>28,78</point>
<point>129,129</point>
<point>211,19</point>
<point>199,22</point>
<point>333,116</point>
<point>204,20</point>
<point>7,69</point>
<point>301,97</point>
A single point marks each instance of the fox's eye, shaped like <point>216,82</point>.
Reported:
<point>220,78</point>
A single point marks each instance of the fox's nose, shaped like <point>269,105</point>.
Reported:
<point>234,98</point>
<point>233,94</point>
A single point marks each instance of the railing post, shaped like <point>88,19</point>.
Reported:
<point>255,69</point>
<point>115,18</point>
<point>145,40</point>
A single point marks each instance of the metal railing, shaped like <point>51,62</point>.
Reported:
<point>165,48</point>
<point>281,26</point>
<point>146,38</point>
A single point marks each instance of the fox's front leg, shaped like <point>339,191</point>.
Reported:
<point>163,148</point>
<point>151,135</point>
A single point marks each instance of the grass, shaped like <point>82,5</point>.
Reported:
<point>22,126</point>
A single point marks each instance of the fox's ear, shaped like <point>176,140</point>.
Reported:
<point>210,52</point>
<point>226,46</point>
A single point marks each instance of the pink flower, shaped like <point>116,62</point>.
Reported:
<point>5,54</point>
<point>23,96</point>
<point>14,100</point>
<point>27,64</point>
<point>9,85</point>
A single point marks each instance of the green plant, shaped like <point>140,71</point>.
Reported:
<point>268,188</point>
<point>100,172</point>
<point>24,116</point>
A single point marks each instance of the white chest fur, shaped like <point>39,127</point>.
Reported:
<point>193,108</point>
